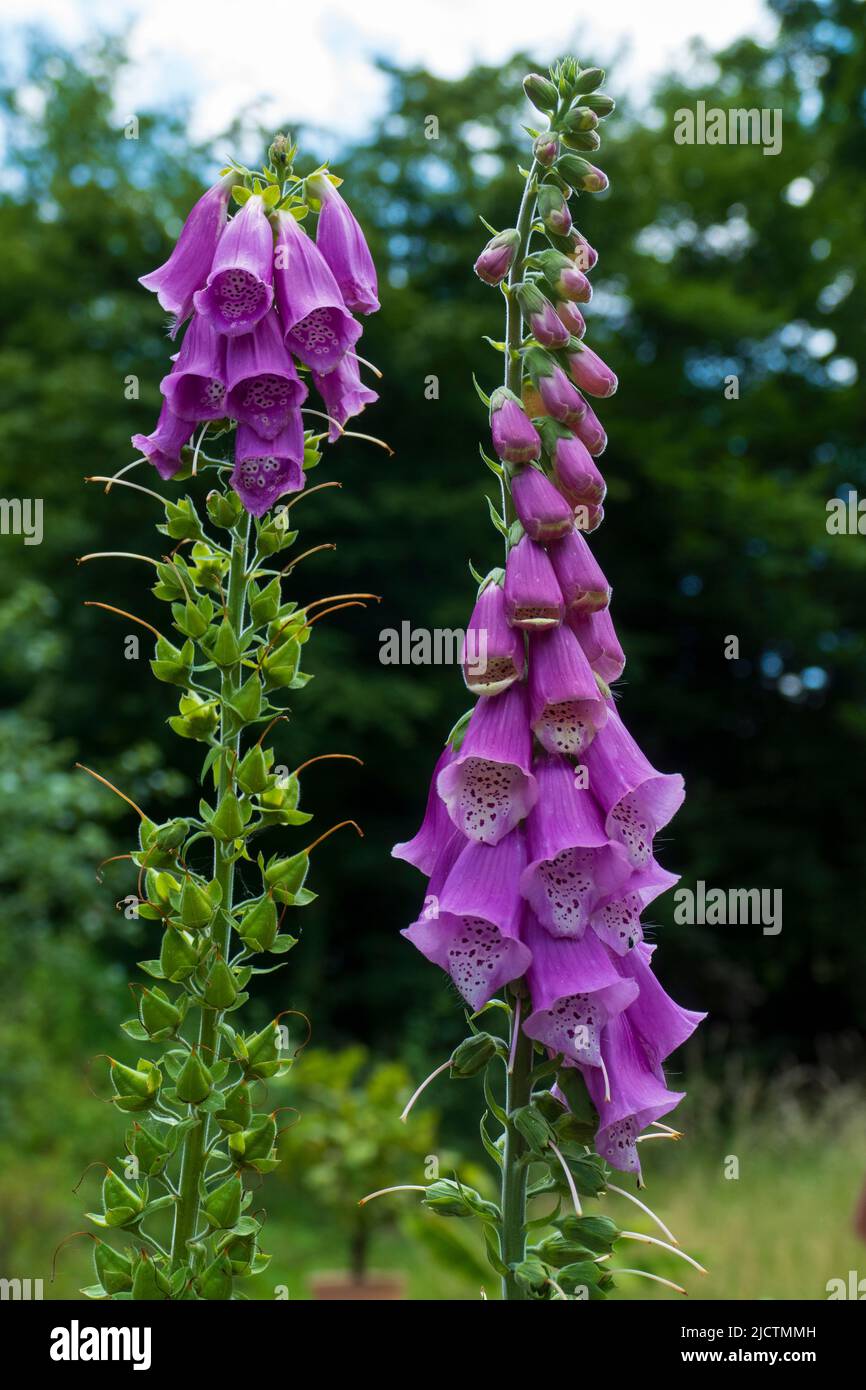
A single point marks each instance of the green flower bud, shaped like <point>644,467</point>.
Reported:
<point>449,1198</point>
<point>472,1055</point>
<point>173,664</point>
<point>178,956</point>
<point>223,1207</point>
<point>541,92</point>
<point>587,81</point>
<point>531,1124</point>
<point>251,773</point>
<point>216,1281</point>
<point>579,118</point>
<point>237,1111</point>
<point>581,174</point>
<point>225,509</point>
<point>157,1013</point>
<point>588,140</point>
<point>149,1283</point>
<point>265,603</point>
<point>258,925</point>
<point>553,209</point>
<point>113,1269</point>
<point>220,990</point>
<point>600,103</point>
<point>194,1082</point>
<point>249,1145</point>
<point>196,909</point>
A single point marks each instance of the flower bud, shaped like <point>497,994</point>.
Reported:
<point>532,596</point>
<point>472,1055</point>
<point>572,318</point>
<point>543,511</point>
<point>587,81</point>
<point>553,209</point>
<point>579,119</point>
<point>600,103</point>
<point>546,149</point>
<point>589,141</point>
<point>583,255</point>
<point>497,257</point>
<point>515,439</point>
<point>589,372</point>
<point>557,395</point>
<point>194,1082</point>
<point>544,323</point>
<point>576,472</point>
<point>449,1198</point>
<point>541,92</point>
<point>581,174</point>
<point>563,277</point>
<point>590,431</point>
<point>580,578</point>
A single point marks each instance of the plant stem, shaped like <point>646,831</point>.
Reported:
<point>515,1173</point>
<point>194,1144</point>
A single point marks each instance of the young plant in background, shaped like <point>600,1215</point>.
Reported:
<point>271,312</point>
<point>538,838</point>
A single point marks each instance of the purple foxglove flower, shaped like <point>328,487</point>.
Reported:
<point>581,174</point>
<point>637,801</point>
<point>571,860</point>
<point>497,257</point>
<point>628,1094</point>
<point>590,432</point>
<point>489,787</point>
<point>563,276</point>
<point>195,388</point>
<point>576,472</point>
<point>546,148</point>
<point>316,324</point>
<point>566,708</point>
<point>436,830</point>
<point>589,372</point>
<point>515,438</point>
<point>576,989</point>
<point>532,596</point>
<point>188,266</point>
<point>265,469</point>
<point>343,392</point>
<point>579,575</point>
<point>587,517</point>
<point>617,910</point>
<point>661,1024</point>
<point>553,209</point>
<point>559,398</point>
<point>572,318</point>
<point>162,448</point>
<point>583,255</point>
<point>544,513</point>
<point>344,247</point>
<point>264,390</point>
<point>472,932</point>
<point>493,655</point>
<point>239,288</point>
<point>595,633</point>
<point>544,323</point>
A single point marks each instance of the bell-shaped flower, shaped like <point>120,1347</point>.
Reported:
<point>497,257</point>
<point>264,389</point>
<point>565,279</point>
<point>543,511</point>
<point>541,318</point>
<point>572,318</point>
<point>617,910</point>
<point>493,655</point>
<point>343,392</point>
<point>470,926</point>
<point>566,708</point>
<point>558,396</point>
<point>266,469</point>
<point>344,247</point>
<point>188,266</point>
<point>317,326</point>
<point>571,859</point>
<point>515,438</point>
<point>628,1092</point>
<point>436,829</point>
<point>162,448</point>
<point>489,787</point>
<point>195,388</point>
<point>576,472</point>
<point>661,1024</point>
<point>239,289</point>
<point>578,575</point>
<point>595,632</point>
<point>532,596</point>
<point>636,800</point>
<point>590,431</point>
<point>589,372</point>
<point>576,989</point>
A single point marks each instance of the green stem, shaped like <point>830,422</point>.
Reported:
<point>194,1145</point>
<point>514,1173</point>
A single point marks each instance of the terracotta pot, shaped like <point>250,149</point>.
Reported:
<point>374,1286</point>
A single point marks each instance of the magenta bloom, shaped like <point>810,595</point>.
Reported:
<point>583,255</point>
<point>543,512</point>
<point>628,1093</point>
<point>342,243</point>
<point>595,632</point>
<point>576,989</point>
<point>572,318</point>
<point>590,373</point>
<point>590,432</point>
<point>436,830</point>
<point>566,708</point>
<point>497,257</point>
<point>560,399</point>
<point>571,860</point>
<point>471,924</point>
<point>616,912</point>
<point>515,438</point>
<point>637,801</point>
<point>264,390</point>
<point>493,655</point>
<point>343,392</point>
<point>265,469</point>
<point>316,324</point>
<point>564,278</point>
<point>661,1024</point>
<point>489,787</point>
<point>195,388</point>
<point>162,447</point>
<point>544,323</point>
<point>188,266</point>
<point>239,289</point>
<point>532,597</point>
<point>577,474</point>
<point>579,575</point>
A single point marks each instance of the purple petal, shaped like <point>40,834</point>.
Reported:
<point>195,388</point>
<point>576,989</point>
<point>343,392</point>
<point>342,243</point>
<point>162,448</point>
<point>264,389</point>
<point>316,324</point>
<point>532,596</point>
<point>239,288</point>
<point>188,266</point>
<point>566,708</point>
<point>266,469</point>
<point>488,787</point>
<point>493,655</point>
<point>436,828</point>
<point>637,800</point>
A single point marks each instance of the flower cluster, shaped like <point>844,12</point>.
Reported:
<point>539,835</point>
<point>269,307</point>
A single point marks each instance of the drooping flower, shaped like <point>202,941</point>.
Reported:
<point>628,1093</point>
<point>343,392</point>
<point>515,438</point>
<point>583,255</point>
<point>590,431</point>
<point>162,448</point>
<point>543,511</point>
<point>493,654</point>
<point>589,372</point>
<point>553,209</point>
<point>497,257</point>
<point>616,912</point>
<point>264,389</point>
<point>489,786</point>
<point>564,278</point>
<point>532,596</point>
<point>471,927</point>
<point>344,247</point>
<point>239,289</point>
<point>575,471</point>
<point>576,990</point>
<point>572,318</point>
<point>558,396</point>
<point>436,829</point>
<point>661,1024</point>
<point>579,576</point>
<point>188,266</point>
<point>595,632</point>
<point>566,709</point>
<point>637,801</point>
<point>545,325</point>
<point>266,469</point>
<point>195,388</point>
<point>317,326</point>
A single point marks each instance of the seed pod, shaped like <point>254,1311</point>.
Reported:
<point>196,908</point>
<point>224,650</point>
<point>157,1013</point>
<point>228,821</point>
<point>248,700</point>
<point>113,1269</point>
<point>240,1251</point>
<point>221,989</point>
<point>173,664</point>
<point>258,926</point>
<point>122,1205</point>
<point>194,1082</point>
<point>251,773</point>
<point>216,1281</point>
<point>237,1110</point>
<point>472,1055</point>
<point>256,1142</point>
<point>225,509</point>
<point>149,1282</point>
<point>288,875</point>
<point>265,605</point>
<point>149,1150</point>
<point>170,835</point>
<point>223,1207</point>
<point>178,956</point>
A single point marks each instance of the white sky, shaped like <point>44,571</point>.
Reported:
<point>302,58</point>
